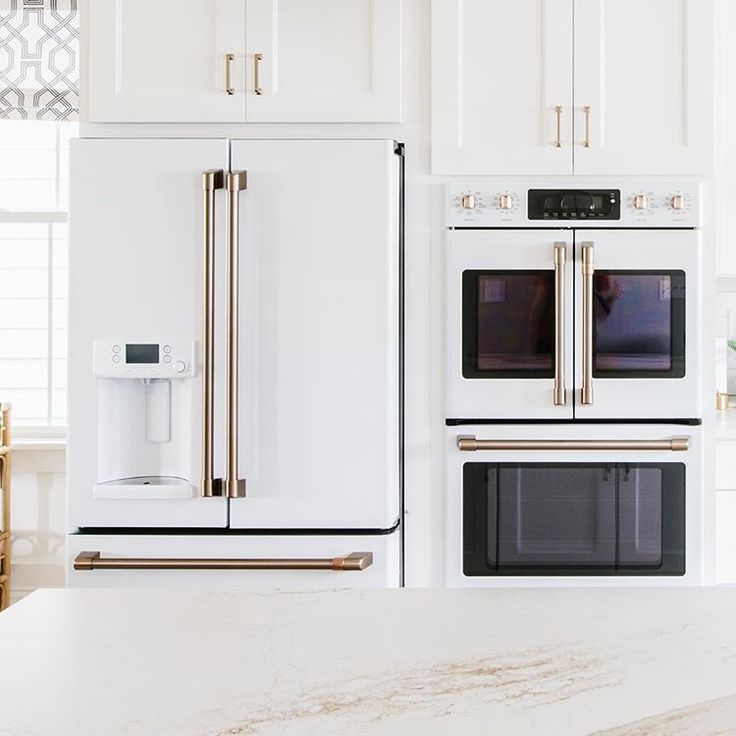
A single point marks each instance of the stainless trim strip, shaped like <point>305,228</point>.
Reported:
<point>560,394</point>
<point>588,271</point>
<point>211,181</point>
<point>93,560</point>
<point>673,444</point>
<point>236,182</point>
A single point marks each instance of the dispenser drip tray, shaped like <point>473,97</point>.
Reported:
<point>145,487</point>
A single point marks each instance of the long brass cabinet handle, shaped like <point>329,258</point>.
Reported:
<point>671,444</point>
<point>229,59</point>
<point>257,59</point>
<point>236,182</point>
<point>211,182</point>
<point>586,115</point>
<point>560,397</point>
<point>93,560</point>
<point>588,272</point>
<point>558,114</point>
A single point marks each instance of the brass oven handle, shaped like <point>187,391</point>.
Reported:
<point>673,444</point>
<point>560,397</point>
<point>257,59</point>
<point>588,271</point>
<point>93,560</point>
<point>229,59</point>
<point>211,181</point>
<point>236,182</point>
<point>558,113</point>
<point>586,115</point>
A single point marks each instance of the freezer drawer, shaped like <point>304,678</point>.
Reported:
<point>126,561</point>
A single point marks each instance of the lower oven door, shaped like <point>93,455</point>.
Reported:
<point>620,501</point>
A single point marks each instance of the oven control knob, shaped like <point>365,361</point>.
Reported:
<point>640,201</point>
<point>678,202</point>
<point>468,201</point>
<point>505,201</point>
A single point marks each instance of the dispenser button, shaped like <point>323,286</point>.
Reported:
<point>180,366</point>
<point>116,348</point>
<point>167,359</point>
<point>115,358</point>
<point>167,348</point>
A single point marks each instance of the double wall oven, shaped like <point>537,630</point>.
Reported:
<point>573,381</point>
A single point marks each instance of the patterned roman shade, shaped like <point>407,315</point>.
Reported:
<point>39,60</point>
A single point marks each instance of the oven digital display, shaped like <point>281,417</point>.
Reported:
<point>138,353</point>
<point>574,204</point>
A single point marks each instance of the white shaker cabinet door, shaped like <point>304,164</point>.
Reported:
<point>334,61</point>
<point>502,87</point>
<point>165,61</point>
<point>643,87</point>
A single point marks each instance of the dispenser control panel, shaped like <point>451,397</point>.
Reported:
<point>145,359</point>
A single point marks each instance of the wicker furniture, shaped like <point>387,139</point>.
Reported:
<point>5,507</point>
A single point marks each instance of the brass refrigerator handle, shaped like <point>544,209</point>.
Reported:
<point>211,181</point>
<point>558,113</point>
<point>586,114</point>
<point>560,398</point>
<point>229,59</point>
<point>588,271</point>
<point>257,59</point>
<point>236,182</point>
<point>672,444</point>
<point>93,560</point>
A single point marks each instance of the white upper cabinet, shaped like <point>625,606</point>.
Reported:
<point>502,86</point>
<point>637,99</point>
<point>644,81</point>
<point>323,61</point>
<point>165,61</point>
<point>187,61</point>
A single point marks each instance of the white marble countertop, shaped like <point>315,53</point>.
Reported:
<point>605,661</point>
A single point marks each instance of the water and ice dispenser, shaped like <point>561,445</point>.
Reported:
<point>146,403</point>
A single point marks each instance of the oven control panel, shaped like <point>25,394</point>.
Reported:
<point>631,203</point>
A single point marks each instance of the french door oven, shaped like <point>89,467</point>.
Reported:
<point>577,323</point>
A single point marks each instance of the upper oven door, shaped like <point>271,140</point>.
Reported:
<point>509,341</point>
<point>636,324</point>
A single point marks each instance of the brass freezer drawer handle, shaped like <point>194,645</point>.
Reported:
<point>673,444</point>
<point>93,560</point>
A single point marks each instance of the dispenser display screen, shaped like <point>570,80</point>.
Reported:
<point>141,353</point>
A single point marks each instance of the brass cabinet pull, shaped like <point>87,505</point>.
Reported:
<point>229,59</point>
<point>257,58</point>
<point>588,271</point>
<point>94,560</point>
<point>586,115</point>
<point>560,397</point>
<point>558,113</point>
<point>211,181</point>
<point>673,444</point>
<point>236,182</point>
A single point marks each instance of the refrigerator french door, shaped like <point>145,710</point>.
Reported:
<point>235,342</point>
<point>575,323</point>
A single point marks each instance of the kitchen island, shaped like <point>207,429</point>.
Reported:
<point>548,661</point>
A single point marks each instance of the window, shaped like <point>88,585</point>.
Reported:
<point>33,270</point>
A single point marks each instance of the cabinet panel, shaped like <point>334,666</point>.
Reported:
<point>324,61</point>
<point>499,72</point>
<point>644,70</point>
<point>165,61</point>
<point>726,537</point>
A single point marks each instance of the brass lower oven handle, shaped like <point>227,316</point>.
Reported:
<point>672,444</point>
<point>93,560</point>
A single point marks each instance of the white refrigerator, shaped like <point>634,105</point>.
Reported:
<point>235,363</point>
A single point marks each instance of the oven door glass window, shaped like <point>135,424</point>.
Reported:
<point>508,324</point>
<point>639,324</point>
<point>574,519</point>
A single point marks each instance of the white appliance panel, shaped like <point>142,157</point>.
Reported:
<point>319,334</point>
<point>455,460</point>
<point>384,572</point>
<point>136,228</point>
